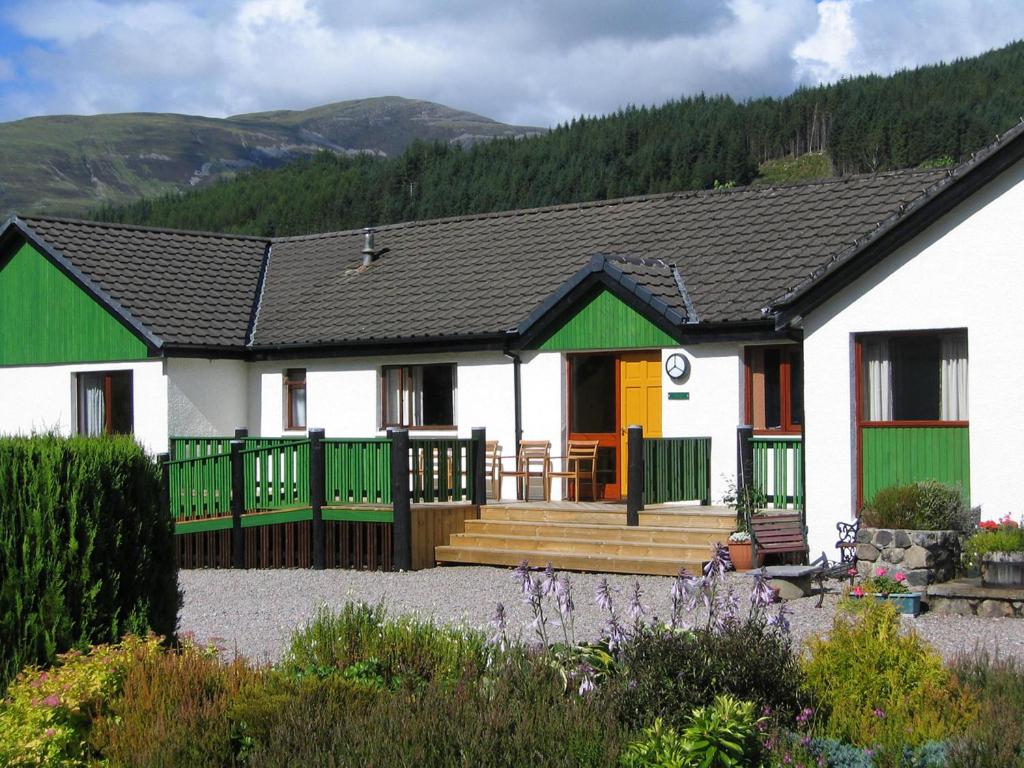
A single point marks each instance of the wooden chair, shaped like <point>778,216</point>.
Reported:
<point>534,460</point>
<point>579,463</point>
<point>492,466</point>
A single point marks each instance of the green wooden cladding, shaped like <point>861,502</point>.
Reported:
<point>899,455</point>
<point>677,469</point>
<point>46,318</point>
<point>779,470</point>
<point>605,322</point>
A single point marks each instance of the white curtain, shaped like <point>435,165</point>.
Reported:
<point>394,394</point>
<point>93,401</point>
<point>416,395</point>
<point>954,378</point>
<point>876,399</point>
<point>298,406</point>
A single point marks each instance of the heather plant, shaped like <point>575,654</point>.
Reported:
<point>86,554</point>
<point>881,689</point>
<point>518,716</point>
<point>362,640</point>
<point>47,716</point>
<point>995,738</point>
<point>173,710</point>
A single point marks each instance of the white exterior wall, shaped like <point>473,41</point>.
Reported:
<point>206,398</point>
<point>715,407</point>
<point>965,271</point>
<point>42,398</point>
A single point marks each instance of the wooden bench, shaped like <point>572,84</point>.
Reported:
<point>778,534</point>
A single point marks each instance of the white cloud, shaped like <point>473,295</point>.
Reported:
<point>533,61</point>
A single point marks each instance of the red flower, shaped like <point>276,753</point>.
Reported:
<point>988,525</point>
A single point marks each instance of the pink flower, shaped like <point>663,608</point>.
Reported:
<point>858,591</point>
<point>53,700</point>
<point>880,571</point>
<point>900,577</point>
<point>852,572</point>
<point>879,713</point>
<point>49,732</point>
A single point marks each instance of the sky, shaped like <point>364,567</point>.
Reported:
<point>528,62</point>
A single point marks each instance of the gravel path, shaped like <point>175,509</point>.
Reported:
<point>254,612</point>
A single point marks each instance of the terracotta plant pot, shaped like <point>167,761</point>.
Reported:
<point>742,555</point>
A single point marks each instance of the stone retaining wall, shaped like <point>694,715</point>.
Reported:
<point>926,557</point>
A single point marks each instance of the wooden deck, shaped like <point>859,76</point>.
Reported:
<point>590,536</point>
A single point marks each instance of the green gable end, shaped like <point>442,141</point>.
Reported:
<point>46,318</point>
<point>606,322</point>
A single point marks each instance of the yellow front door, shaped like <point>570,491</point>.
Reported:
<point>639,400</point>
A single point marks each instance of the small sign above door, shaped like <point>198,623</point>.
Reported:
<point>678,395</point>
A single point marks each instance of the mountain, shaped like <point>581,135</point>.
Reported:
<point>931,116</point>
<point>68,164</point>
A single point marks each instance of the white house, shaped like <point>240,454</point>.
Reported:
<point>861,325</point>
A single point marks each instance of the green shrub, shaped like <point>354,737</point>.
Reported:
<point>996,738</point>
<point>173,711</point>
<point>1005,536</point>
<point>658,747</point>
<point>926,505</point>
<point>877,687</point>
<point>668,674</point>
<point>47,715</point>
<point>362,641</point>
<point>518,715</point>
<point>85,553</point>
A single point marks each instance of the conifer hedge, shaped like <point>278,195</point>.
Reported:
<point>85,552</point>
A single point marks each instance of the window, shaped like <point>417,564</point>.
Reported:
<point>105,403</point>
<point>913,377</point>
<point>418,396</point>
<point>775,388</point>
<point>295,398</point>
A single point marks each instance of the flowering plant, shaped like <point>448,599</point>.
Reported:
<point>1003,535</point>
<point>739,537</point>
<point>882,584</point>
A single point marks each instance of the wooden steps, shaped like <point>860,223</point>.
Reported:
<point>588,538</point>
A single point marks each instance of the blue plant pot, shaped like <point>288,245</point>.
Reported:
<point>909,603</point>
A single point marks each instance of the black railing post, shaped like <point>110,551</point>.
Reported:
<point>744,458</point>
<point>241,433</point>
<point>479,491</point>
<point>165,484</point>
<point>237,505</point>
<point>706,501</point>
<point>635,474</point>
<point>316,496</point>
<point>401,533</point>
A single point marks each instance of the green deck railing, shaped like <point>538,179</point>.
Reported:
<point>441,469</point>
<point>779,470</point>
<point>677,469</point>
<point>277,475</point>
<point>200,487</point>
<point>357,471</point>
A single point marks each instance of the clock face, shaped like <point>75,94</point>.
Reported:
<point>677,366</point>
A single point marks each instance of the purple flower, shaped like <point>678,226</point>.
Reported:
<point>879,713</point>
<point>780,619</point>
<point>563,595</point>
<point>615,632</point>
<point>521,575</point>
<point>636,607</point>
<point>805,714</point>
<point>549,580</point>
<point>586,673</point>
<point>762,594</point>
<point>603,595</point>
<point>499,622</point>
<point>719,562</point>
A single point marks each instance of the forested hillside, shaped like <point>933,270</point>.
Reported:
<point>931,115</point>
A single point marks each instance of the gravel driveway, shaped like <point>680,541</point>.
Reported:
<point>254,612</point>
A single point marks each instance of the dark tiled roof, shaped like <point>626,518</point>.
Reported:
<point>735,250</point>
<point>187,288</point>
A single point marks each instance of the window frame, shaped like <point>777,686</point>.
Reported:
<point>858,382</point>
<point>403,405</point>
<point>787,425</point>
<point>290,386</point>
<point>108,396</point>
